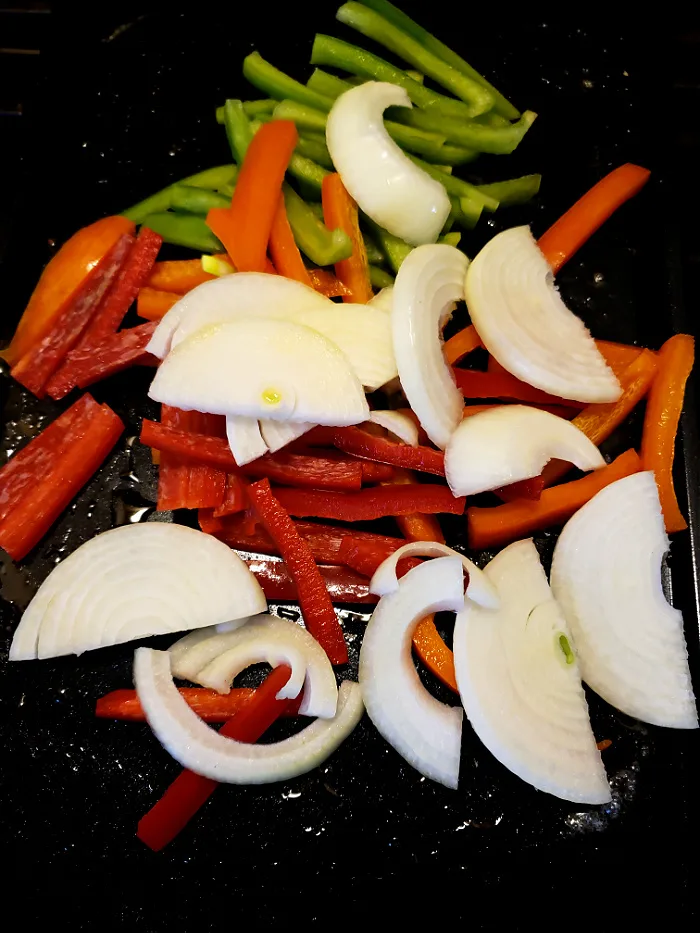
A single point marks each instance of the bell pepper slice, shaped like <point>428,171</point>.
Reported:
<point>152,304</point>
<point>340,211</point>
<point>342,584</point>
<point>180,275</point>
<point>284,251</point>
<point>370,504</point>
<point>235,497</point>
<point>370,447</point>
<point>366,556</point>
<point>207,704</point>
<point>461,344</point>
<point>328,284</point>
<point>503,385</point>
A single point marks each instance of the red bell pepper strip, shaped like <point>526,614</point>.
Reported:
<point>206,485</point>
<point>244,228</point>
<point>235,497</point>
<point>154,305</point>
<point>340,210</point>
<point>328,284</point>
<point>342,584</point>
<point>564,238</point>
<point>42,360</point>
<point>82,448</point>
<point>284,251</point>
<point>173,473</point>
<point>366,556</point>
<point>370,504</point>
<point>416,527</point>
<point>524,489</point>
<point>316,606</point>
<point>474,384</point>
<point>190,791</point>
<point>369,447</point>
<point>207,704</point>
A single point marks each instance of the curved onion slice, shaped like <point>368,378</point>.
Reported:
<point>424,731</point>
<point>606,575</point>
<point>262,369</point>
<point>388,187</point>
<point>276,641</point>
<point>521,692</point>
<point>245,293</point>
<point>524,323</point>
<point>385,581</point>
<point>135,581</point>
<point>191,742</point>
<point>244,439</point>
<point>510,443</point>
<point>277,434</point>
<point>191,653</point>
<point>384,299</point>
<point>429,282</point>
<point>398,424</point>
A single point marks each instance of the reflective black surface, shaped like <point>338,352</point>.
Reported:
<point>118,114</point>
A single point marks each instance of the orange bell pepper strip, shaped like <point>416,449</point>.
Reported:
<point>245,227</point>
<point>463,342</point>
<point>328,284</point>
<point>153,304</point>
<point>618,356</point>
<point>79,258</point>
<point>664,407</point>
<point>180,275</point>
<point>580,222</point>
<point>284,251</point>
<point>489,527</point>
<point>340,210</point>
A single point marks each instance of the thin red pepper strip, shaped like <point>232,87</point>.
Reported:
<point>83,447</point>
<point>235,497</point>
<point>316,606</point>
<point>207,704</point>
<point>503,385</point>
<point>190,791</point>
<point>366,556</point>
<point>173,473</point>
<point>524,489</point>
<point>39,364</point>
<point>343,584</point>
<point>369,447</point>
<point>370,504</point>
<point>206,485</point>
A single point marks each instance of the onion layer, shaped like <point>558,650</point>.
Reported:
<point>244,439</point>
<point>521,692</point>
<point>277,434</point>
<point>523,322</point>
<point>425,732</point>
<point>429,283</point>
<point>606,575</point>
<point>201,749</point>
<point>388,187</point>
<point>398,424</point>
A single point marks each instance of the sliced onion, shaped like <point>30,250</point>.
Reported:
<point>523,322</point>
<point>201,749</point>
<point>262,369</point>
<point>191,653</point>
<point>384,299</point>
<point>276,641</point>
<point>509,443</point>
<point>398,424</point>
<point>521,692</point>
<point>251,294</point>
<point>429,282</point>
<point>244,439</point>
<point>277,434</point>
<point>385,581</point>
<point>135,581</point>
<point>424,731</point>
<point>606,574</point>
<point>388,187</point>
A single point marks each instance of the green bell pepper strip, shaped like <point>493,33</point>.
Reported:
<point>327,84</point>
<point>184,230</point>
<point>324,247</point>
<point>469,213</point>
<point>238,131</point>
<point>514,190</point>
<point>478,98</point>
<point>307,171</point>
<point>394,248</point>
<point>196,200</point>
<point>314,147</point>
<point>346,57</point>
<point>374,254</point>
<point>212,178</point>
<point>379,278</point>
<point>457,186</point>
<point>451,239</point>
<point>253,108</point>
<point>499,140</point>
<point>386,9</point>
<point>416,75</point>
<point>277,84</point>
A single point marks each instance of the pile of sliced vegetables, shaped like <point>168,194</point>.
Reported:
<point>280,405</point>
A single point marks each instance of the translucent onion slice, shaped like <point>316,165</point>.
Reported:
<point>262,369</point>
<point>424,731</point>
<point>524,323</point>
<point>606,575</point>
<point>201,749</point>
<point>388,187</point>
<point>277,434</point>
<point>385,581</point>
<point>384,299</point>
<point>244,439</point>
<point>135,581</point>
<point>520,684</point>
<point>510,443</point>
<point>429,282</point>
<point>191,653</point>
<point>246,293</point>
<point>398,424</point>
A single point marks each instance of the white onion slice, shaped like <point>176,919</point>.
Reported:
<point>429,282</point>
<point>132,582</point>
<point>425,732</point>
<point>388,187</point>
<point>509,443</point>
<point>262,369</point>
<point>277,434</point>
<point>201,749</point>
<point>523,699</point>
<point>191,653</point>
<point>398,424</point>
<point>244,439</point>
<point>524,323</point>
<point>384,299</point>
<point>384,581</point>
<point>606,575</point>
<point>250,294</point>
